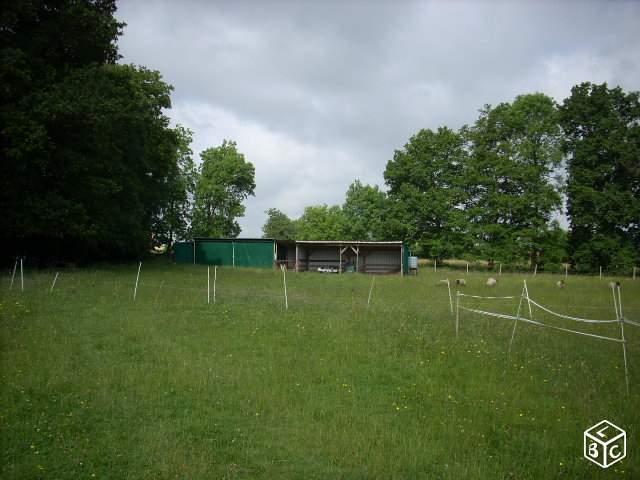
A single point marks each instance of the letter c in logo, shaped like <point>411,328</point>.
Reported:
<point>613,455</point>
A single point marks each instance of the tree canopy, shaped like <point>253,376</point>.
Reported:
<point>278,226</point>
<point>602,143</point>
<point>511,199</point>
<point>224,181</point>
<point>321,222</point>
<point>86,148</point>
<point>427,190</point>
<point>364,211</point>
<point>172,220</point>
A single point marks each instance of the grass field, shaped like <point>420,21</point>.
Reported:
<point>97,386</point>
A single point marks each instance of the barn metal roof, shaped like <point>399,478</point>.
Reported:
<point>328,243</point>
<point>216,239</point>
<point>337,243</point>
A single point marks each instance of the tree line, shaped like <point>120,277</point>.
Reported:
<point>494,190</point>
<point>93,169</point>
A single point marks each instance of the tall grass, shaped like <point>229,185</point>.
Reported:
<point>95,385</point>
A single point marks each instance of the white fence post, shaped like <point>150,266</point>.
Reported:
<point>457,312</point>
<point>615,301</point>
<point>54,282</point>
<point>526,290</point>
<point>624,342</point>
<point>284,281</point>
<point>515,322</point>
<point>373,279</point>
<point>15,267</point>
<point>135,290</point>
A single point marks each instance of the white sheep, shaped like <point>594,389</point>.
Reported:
<point>560,284</point>
<point>491,282</point>
<point>461,281</point>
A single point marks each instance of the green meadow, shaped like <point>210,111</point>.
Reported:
<point>95,385</point>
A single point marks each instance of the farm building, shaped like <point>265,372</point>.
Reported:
<point>233,252</point>
<point>349,256</point>
<point>299,255</point>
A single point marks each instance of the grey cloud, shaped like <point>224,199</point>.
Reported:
<point>331,89</point>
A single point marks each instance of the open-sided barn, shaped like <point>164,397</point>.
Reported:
<point>350,256</point>
<point>299,255</point>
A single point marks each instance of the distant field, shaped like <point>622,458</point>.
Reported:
<point>94,385</point>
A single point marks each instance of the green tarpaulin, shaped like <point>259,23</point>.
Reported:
<point>256,253</point>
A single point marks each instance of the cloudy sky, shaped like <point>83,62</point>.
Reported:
<point>317,94</point>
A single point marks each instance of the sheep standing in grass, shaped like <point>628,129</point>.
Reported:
<point>614,284</point>
<point>560,284</point>
<point>461,281</point>
<point>491,282</point>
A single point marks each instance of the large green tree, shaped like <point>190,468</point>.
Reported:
<point>85,145</point>
<point>515,149</point>
<point>279,226</point>
<point>364,212</point>
<point>427,193</point>
<point>602,142</point>
<point>321,222</point>
<point>172,220</point>
<point>86,175</point>
<point>224,181</point>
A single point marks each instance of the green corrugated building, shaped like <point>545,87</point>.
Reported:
<point>336,255</point>
<point>232,252</point>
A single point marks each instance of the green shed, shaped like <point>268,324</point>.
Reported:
<point>183,252</point>
<point>232,252</point>
<point>254,253</point>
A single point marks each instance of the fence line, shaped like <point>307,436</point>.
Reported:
<point>302,291</point>
<point>540,324</point>
<point>489,298</point>
<point>525,296</point>
<point>562,269</point>
<point>568,317</point>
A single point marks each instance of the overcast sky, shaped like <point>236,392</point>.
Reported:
<point>317,94</point>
